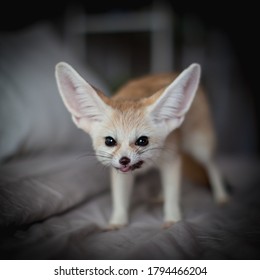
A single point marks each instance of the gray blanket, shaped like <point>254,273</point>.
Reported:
<point>57,206</point>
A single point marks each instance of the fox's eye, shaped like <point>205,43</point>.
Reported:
<point>110,142</point>
<point>142,141</point>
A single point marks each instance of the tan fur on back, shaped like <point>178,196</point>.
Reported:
<point>134,95</point>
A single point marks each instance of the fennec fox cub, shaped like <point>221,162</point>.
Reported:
<point>148,122</point>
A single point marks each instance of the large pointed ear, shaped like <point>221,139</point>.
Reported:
<point>172,104</point>
<point>80,98</point>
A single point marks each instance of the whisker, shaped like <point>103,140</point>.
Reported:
<point>154,162</point>
<point>85,155</point>
<point>95,154</point>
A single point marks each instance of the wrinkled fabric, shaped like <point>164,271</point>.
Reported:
<point>59,210</point>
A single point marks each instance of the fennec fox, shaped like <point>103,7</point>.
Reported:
<point>147,123</point>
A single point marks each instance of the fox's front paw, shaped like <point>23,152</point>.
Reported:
<point>168,224</point>
<point>172,217</point>
<point>112,227</point>
<point>117,222</point>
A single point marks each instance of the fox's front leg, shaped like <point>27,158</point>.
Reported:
<point>121,186</point>
<point>171,182</point>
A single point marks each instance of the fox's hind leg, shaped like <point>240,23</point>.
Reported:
<point>201,146</point>
<point>219,191</point>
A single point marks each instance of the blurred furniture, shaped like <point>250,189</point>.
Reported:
<point>156,21</point>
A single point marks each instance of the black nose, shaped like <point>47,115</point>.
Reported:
<point>124,160</point>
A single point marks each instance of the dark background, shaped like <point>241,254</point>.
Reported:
<point>221,37</point>
<point>238,23</point>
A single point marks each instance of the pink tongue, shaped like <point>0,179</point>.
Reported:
<point>125,168</point>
